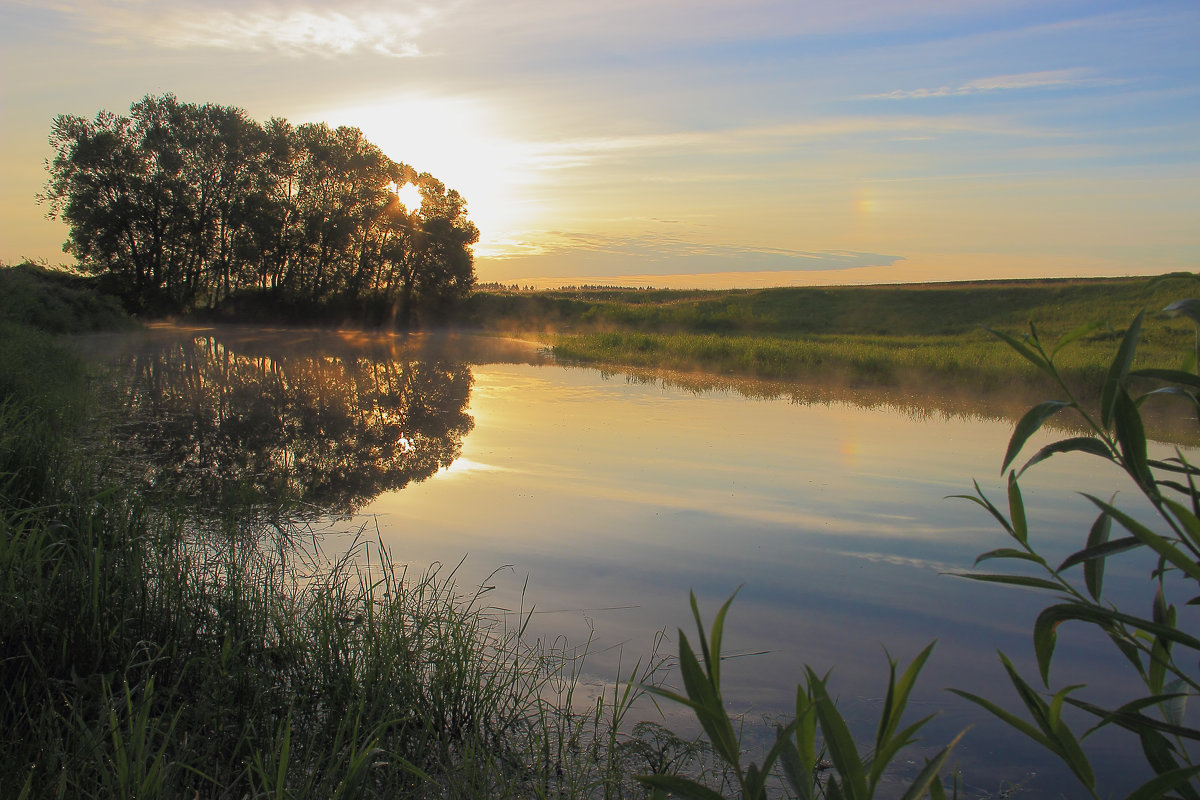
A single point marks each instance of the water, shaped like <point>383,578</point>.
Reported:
<point>599,500</point>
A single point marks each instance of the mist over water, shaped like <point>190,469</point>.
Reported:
<point>596,500</point>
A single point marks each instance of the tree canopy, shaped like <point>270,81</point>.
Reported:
<point>183,206</point>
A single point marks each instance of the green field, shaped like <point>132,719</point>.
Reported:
<point>869,334</point>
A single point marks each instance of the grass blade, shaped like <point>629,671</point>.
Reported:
<point>1016,510</point>
<point>926,778</point>
<point>1131,436</point>
<point>1008,552</point>
<point>1078,333</point>
<point>680,787</point>
<point>1102,550</point>
<point>1011,580</point>
<point>842,750</point>
<point>1006,716</point>
<point>1172,375</point>
<point>1160,785</point>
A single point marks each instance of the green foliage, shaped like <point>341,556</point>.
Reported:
<point>182,206</point>
<point>1159,647</point>
<point>855,775</point>
<point>56,301</point>
<point>923,311</point>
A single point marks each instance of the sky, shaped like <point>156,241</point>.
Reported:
<point>685,143</point>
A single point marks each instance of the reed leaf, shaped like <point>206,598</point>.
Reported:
<point>1160,785</point>
<point>1118,370</point>
<point>839,741</point>
<point>1008,552</point>
<point>1025,581</point>
<point>927,779</point>
<point>1076,444</point>
<point>1157,543</point>
<point>1028,425</point>
<point>680,787</point>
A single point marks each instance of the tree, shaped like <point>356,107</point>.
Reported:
<point>186,206</point>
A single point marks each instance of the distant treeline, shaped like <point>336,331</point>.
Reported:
<point>184,207</point>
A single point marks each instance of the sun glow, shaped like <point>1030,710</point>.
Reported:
<point>464,143</point>
<point>408,195</point>
<point>462,466</point>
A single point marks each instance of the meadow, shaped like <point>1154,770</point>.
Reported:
<point>870,334</point>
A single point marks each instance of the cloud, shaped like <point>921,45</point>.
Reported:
<point>785,136</point>
<point>291,30</point>
<point>1048,79</point>
<point>662,253</point>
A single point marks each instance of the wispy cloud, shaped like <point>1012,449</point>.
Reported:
<point>578,152</point>
<point>662,252</point>
<point>1047,79</point>
<point>291,30</point>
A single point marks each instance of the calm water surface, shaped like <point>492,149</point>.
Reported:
<point>599,500</point>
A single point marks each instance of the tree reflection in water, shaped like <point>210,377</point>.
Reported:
<point>221,422</point>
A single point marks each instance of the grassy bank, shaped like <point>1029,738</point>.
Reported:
<point>57,301</point>
<point>867,334</point>
<point>147,654</point>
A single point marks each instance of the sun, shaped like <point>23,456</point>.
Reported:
<point>466,143</point>
<point>408,195</point>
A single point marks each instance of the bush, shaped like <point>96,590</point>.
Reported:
<point>57,301</point>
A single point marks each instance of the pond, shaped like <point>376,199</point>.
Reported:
<point>599,499</point>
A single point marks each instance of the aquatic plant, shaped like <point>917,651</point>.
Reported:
<point>1161,647</point>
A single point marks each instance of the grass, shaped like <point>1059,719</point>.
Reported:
<point>144,654</point>
<point>867,334</point>
<point>975,359</point>
<point>57,300</point>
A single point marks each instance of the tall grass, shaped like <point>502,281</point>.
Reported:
<point>975,358</point>
<point>142,654</point>
<point>868,334</point>
<point>930,310</point>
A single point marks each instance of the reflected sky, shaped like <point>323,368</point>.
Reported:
<point>615,497</point>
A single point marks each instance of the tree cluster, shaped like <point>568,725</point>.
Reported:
<point>184,206</point>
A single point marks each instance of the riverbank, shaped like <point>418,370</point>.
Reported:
<point>146,651</point>
<point>871,334</point>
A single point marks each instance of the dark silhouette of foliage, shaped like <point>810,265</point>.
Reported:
<point>185,207</point>
<point>209,421</point>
